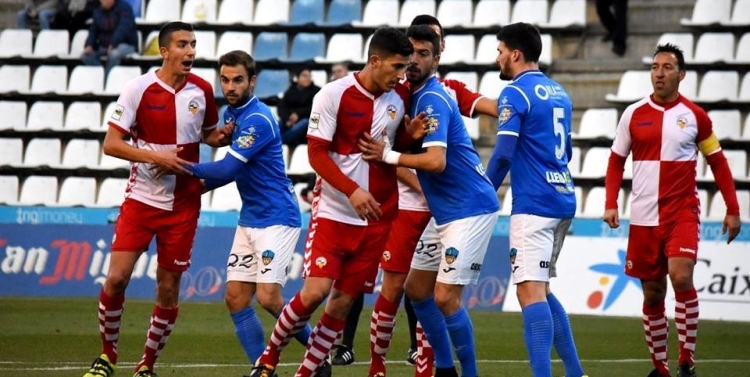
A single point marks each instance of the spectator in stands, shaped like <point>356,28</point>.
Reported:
<point>294,109</point>
<point>664,131</point>
<point>42,11</point>
<point>73,14</point>
<point>112,34</point>
<point>616,23</point>
<point>338,71</point>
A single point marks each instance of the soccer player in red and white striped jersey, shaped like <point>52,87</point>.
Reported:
<point>166,113</point>
<point>665,132</point>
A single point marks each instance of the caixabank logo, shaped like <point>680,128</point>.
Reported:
<point>612,282</point>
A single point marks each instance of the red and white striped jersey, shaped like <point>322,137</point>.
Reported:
<point>411,199</point>
<point>342,112</point>
<point>158,117</point>
<point>665,140</point>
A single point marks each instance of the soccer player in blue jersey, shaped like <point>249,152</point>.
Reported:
<point>534,144</point>
<point>461,199</point>
<point>269,223</point>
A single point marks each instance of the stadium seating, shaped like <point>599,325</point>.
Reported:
<point>12,152</point>
<point>50,43</point>
<point>118,77</point>
<point>299,164</point>
<point>737,160</point>
<point>45,115</point>
<point>106,116</point>
<point>270,45</point>
<point>307,12</point>
<point>597,123</point>
<point>574,165</point>
<point>272,83</point>
<point>567,13</point>
<point>634,85</point>
<point>486,50</point>
<point>304,206</point>
<point>208,74</point>
<point>472,127</point>
<point>80,153</point>
<point>107,162</point>
<point>594,203</point>
<point>714,48</point>
<point>742,55</point>
<point>205,44</point>
<point>77,191</point>
<point>491,85</point>
<point>545,58</point>
<point>38,190</point>
<point>50,79</point>
<point>235,12</point>
<point>458,48</point>
<point>455,13</point>
<point>719,86</point>
<point>15,42</point>
<point>268,12</point>
<point>726,124</point>
<point>413,8</point>
<point>159,11</point>
<point>111,192</point>
<point>377,13</point>
<point>78,44</point>
<point>740,14</point>
<point>530,11</point>
<point>344,47</point>
<point>319,77</point>
<point>14,78</point>
<point>14,115</point>
<point>506,203</point>
<point>285,155</point>
<point>684,41</point>
<point>709,12</point>
<point>86,79</point>
<point>491,13</point>
<point>42,152</point>
<point>344,12</point>
<point>194,11</point>
<point>226,198</point>
<point>718,208</point>
<point>308,46</point>
<point>468,78</point>
<point>8,189</point>
<point>595,163</point>
<point>234,40</point>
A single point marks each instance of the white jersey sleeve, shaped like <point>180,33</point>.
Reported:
<point>325,106</point>
<point>623,140</point>
<point>124,115</point>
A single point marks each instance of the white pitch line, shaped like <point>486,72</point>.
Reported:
<point>19,366</point>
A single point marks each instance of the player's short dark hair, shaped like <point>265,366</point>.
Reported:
<point>424,33</point>
<point>426,19</point>
<point>522,37</point>
<point>672,49</point>
<point>238,57</point>
<point>389,41</point>
<point>165,33</point>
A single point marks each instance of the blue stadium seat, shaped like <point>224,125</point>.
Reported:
<point>344,12</point>
<point>271,83</point>
<point>271,45</point>
<point>308,46</point>
<point>307,11</point>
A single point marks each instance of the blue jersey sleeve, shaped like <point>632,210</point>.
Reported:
<point>512,108</point>
<point>438,112</point>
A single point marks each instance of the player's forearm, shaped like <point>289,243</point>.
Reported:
<point>613,179</point>
<point>321,162</point>
<point>499,164</point>
<point>222,170</point>
<point>485,106</point>
<point>407,177</point>
<point>116,147</point>
<point>213,184</point>
<point>724,181</point>
<point>213,137</point>
<point>432,160</point>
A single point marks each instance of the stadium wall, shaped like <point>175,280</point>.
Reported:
<point>63,252</point>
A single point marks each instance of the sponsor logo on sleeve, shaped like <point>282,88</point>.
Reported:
<point>314,121</point>
<point>117,114</point>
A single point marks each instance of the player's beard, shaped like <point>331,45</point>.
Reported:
<point>504,73</point>
<point>240,99</point>
<point>417,80</point>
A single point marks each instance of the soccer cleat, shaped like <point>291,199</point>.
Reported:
<point>324,370</point>
<point>263,370</point>
<point>411,356</point>
<point>343,356</point>
<point>686,370</point>
<point>101,367</point>
<point>655,373</point>
<point>143,371</point>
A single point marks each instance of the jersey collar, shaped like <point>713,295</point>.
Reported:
<point>664,106</point>
<point>525,73</point>
<point>426,83</point>
<point>250,100</point>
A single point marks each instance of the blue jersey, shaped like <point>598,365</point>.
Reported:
<point>462,190</point>
<point>538,111</point>
<point>255,161</point>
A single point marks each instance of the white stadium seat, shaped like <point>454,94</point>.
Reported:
<point>634,85</point>
<point>492,13</point>
<point>38,190</point>
<point>45,115</point>
<point>42,152</point>
<point>14,78</point>
<point>737,160</point>
<point>689,85</point>
<point>742,56</point>
<point>545,58</point>
<point>15,42</point>
<point>159,11</point>
<point>491,85</point>
<point>194,11</point>
<point>472,127</point>
<point>469,78</point>
<point>567,13</point>
<point>83,116</point>
<point>718,208</point>
<point>77,191</point>
<point>119,76</point>
<point>574,165</point>
<point>78,44</point>
<point>726,124</point>
<point>455,13</point>
<point>111,192</point>
<point>709,12</point>
<point>304,206</point>
<point>719,86</point>
<point>80,153</point>
<point>299,164</point>
<point>507,203</point>
<point>381,12</point>
<point>486,50</point>
<point>236,12</point>
<point>458,48</point>
<point>86,79</point>
<point>107,162</point>
<point>50,79</point>
<point>208,74</point>
<point>594,205</point>
<point>226,198</point>
<point>530,11</point>
<point>205,44</point>
<point>12,152</point>
<point>684,41</point>
<point>595,163</point>
<point>269,12</point>
<point>714,47</point>
<point>413,8</point>
<point>52,43</point>
<point>14,115</point>
<point>344,47</point>
<point>740,14</point>
<point>319,77</point>
<point>106,117</point>
<point>234,40</point>
<point>597,123</point>
<point>8,189</point>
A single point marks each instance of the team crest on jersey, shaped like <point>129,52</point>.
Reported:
<point>245,141</point>
<point>386,256</point>
<point>314,121</point>
<point>432,124</point>
<point>504,115</point>
<point>392,111</point>
<point>451,254</point>
<point>193,107</point>
<point>267,257</point>
<point>117,114</point>
<point>429,110</point>
<point>321,262</point>
<point>681,122</point>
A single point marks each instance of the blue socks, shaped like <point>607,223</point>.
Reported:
<point>434,326</point>
<point>564,343</point>
<point>461,331</point>
<point>249,331</point>
<point>538,332</point>
<point>303,335</point>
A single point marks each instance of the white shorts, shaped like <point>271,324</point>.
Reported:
<point>535,244</point>
<point>463,246</point>
<point>269,250</point>
<point>428,253</point>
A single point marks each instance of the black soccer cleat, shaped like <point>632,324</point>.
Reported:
<point>686,370</point>
<point>342,356</point>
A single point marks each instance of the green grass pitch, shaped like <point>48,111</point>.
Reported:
<point>59,337</point>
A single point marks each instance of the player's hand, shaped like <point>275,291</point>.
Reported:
<point>372,148</point>
<point>365,205</point>
<point>733,225</point>
<point>419,126</point>
<point>166,162</point>
<point>224,136</point>
<point>612,218</point>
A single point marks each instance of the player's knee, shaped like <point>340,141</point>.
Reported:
<point>116,283</point>
<point>271,302</point>
<point>654,293</point>
<point>416,292</point>
<point>235,300</point>
<point>681,280</point>
<point>447,303</point>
